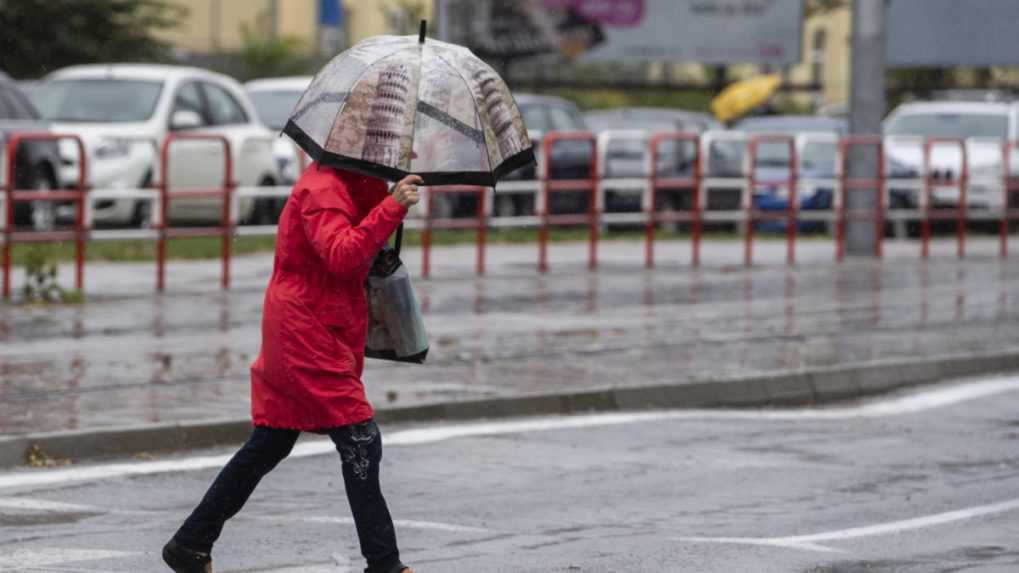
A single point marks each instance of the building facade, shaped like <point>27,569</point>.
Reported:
<point>215,26</point>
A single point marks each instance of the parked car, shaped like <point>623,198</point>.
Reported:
<point>569,160</point>
<point>981,126</point>
<point>274,100</point>
<point>627,157</point>
<point>815,140</point>
<point>37,161</point>
<point>651,119</point>
<point>123,113</point>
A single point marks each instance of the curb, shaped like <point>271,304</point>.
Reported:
<point>793,388</point>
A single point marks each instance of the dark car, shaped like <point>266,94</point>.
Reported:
<point>625,157</point>
<point>817,161</point>
<point>37,161</point>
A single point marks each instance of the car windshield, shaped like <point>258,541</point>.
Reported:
<point>274,106</point>
<point>97,100</point>
<point>949,125</point>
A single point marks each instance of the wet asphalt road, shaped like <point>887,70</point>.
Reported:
<point>906,486</point>
<point>127,357</point>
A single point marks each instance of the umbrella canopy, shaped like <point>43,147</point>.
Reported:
<point>395,105</point>
<point>743,96</point>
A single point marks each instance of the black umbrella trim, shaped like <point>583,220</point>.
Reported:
<point>482,178</point>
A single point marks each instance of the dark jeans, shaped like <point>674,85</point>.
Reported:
<point>360,448</point>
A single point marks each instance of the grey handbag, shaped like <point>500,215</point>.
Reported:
<point>396,330</point>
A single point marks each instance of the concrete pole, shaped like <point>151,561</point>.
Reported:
<point>866,109</point>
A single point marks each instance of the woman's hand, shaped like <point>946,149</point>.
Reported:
<point>406,191</point>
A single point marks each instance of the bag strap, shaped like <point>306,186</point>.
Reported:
<point>399,239</point>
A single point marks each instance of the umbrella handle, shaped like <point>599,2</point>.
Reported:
<point>421,31</point>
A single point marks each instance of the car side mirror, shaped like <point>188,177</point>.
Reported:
<point>185,119</point>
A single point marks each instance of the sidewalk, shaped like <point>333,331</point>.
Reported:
<point>128,357</point>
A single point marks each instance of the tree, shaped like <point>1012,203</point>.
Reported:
<point>42,35</point>
<point>263,56</point>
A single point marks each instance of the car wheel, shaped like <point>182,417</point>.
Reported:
<point>267,211</point>
<point>44,213</point>
<point>141,216</point>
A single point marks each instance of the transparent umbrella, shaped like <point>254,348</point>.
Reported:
<point>394,105</point>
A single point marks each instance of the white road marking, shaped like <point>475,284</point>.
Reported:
<point>42,505</point>
<point>914,403</point>
<point>24,558</point>
<point>812,542</point>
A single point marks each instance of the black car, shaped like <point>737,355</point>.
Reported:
<point>37,161</point>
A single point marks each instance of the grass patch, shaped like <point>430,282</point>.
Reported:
<point>210,247</point>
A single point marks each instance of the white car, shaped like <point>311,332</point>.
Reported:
<point>274,100</point>
<point>982,127</point>
<point>123,113</point>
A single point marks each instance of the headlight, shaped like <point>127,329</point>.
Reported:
<point>110,148</point>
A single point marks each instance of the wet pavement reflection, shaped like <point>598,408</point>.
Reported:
<point>138,358</point>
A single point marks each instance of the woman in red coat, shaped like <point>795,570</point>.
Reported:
<point>308,374</point>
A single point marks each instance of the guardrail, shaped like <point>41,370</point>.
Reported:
<point>12,196</point>
<point>694,173</point>
<point>166,194</point>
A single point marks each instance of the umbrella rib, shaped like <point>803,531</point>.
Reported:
<point>451,122</point>
<point>477,105</point>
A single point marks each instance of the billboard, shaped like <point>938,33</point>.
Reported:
<point>705,31</point>
<point>941,33</point>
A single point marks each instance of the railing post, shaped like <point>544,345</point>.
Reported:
<point>649,245</point>
<point>928,194</point>
<point>482,230</point>
<point>164,213</point>
<point>595,213</point>
<point>79,219</point>
<point>11,150</point>
<point>1007,188</point>
<point>545,203</point>
<point>228,188</point>
<point>426,237</point>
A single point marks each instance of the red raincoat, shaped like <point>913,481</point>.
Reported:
<point>315,316</point>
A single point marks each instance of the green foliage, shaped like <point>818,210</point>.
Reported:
<point>43,35</point>
<point>605,98</point>
<point>264,56</point>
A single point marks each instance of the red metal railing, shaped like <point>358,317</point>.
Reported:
<point>549,186</point>
<point>753,214</point>
<point>695,216</point>
<point>78,196</point>
<point>1008,214</point>
<point>846,184</point>
<point>226,227</point>
<point>656,182</point>
<point>479,223</point>
<point>961,181</point>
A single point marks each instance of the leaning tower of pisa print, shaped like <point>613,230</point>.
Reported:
<point>499,114</point>
<point>385,124</point>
